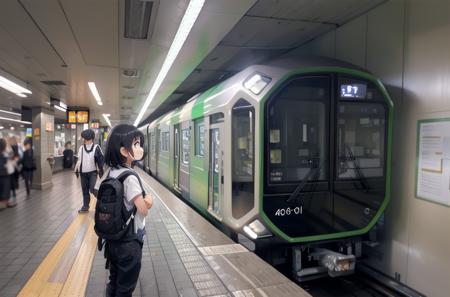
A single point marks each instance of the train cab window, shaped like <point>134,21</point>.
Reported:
<point>185,146</point>
<point>243,126</point>
<point>361,127</point>
<point>297,131</point>
<point>199,132</point>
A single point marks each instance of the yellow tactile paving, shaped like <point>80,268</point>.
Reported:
<point>42,283</point>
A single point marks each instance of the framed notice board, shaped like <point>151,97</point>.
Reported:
<point>433,160</point>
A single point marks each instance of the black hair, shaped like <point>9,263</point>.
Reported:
<point>121,136</point>
<point>28,140</point>
<point>88,134</point>
<point>2,145</point>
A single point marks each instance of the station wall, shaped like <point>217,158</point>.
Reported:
<point>406,44</point>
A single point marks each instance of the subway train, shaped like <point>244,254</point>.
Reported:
<point>294,152</point>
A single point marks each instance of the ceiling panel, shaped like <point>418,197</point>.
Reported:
<point>327,11</point>
<point>96,28</point>
<point>272,33</point>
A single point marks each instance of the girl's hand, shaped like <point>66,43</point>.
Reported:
<point>148,199</point>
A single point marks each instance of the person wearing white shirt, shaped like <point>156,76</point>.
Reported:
<point>90,158</point>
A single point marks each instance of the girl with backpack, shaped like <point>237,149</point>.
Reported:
<point>124,253</point>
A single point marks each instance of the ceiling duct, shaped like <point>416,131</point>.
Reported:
<point>137,18</point>
<point>130,73</point>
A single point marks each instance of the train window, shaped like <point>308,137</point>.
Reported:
<point>360,140</point>
<point>199,132</point>
<point>297,131</point>
<point>243,125</point>
<point>152,143</point>
<point>165,138</point>
<point>185,146</point>
<point>216,118</point>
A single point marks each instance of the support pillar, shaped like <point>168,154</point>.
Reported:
<point>43,122</point>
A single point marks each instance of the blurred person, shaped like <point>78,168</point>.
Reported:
<point>13,153</point>
<point>6,169</point>
<point>90,158</point>
<point>68,155</point>
<point>28,163</point>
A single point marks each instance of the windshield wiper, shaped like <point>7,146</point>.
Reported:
<point>360,175</point>
<point>314,171</point>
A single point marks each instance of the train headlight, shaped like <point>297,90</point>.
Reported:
<point>256,230</point>
<point>257,83</point>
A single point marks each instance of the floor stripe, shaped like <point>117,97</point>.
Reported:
<point>66,268</point>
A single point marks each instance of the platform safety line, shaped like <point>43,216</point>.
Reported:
<point>194,241</point>
<point>39,280</point>
<point>41,284</point>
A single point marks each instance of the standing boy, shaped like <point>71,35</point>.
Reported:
<point>28,163</point>
<point>90,157</point>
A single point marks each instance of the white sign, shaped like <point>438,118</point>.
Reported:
<point>433,168</point>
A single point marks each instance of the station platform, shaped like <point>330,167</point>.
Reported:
<point>48,249</point>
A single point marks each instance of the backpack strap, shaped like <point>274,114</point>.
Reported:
<point>123,176</point>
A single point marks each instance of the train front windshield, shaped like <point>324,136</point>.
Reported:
<point>325,138</point>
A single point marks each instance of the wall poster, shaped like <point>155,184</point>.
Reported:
<point>433,161</point>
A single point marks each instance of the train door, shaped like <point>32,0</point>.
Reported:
<point>216,176</point>
<point>183,175</point>
<point>176,167</point>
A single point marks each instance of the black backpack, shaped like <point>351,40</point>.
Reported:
<point>112,219</point>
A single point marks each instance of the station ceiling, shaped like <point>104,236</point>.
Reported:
<point>57,46</point>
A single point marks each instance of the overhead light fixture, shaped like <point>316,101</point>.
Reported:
<point>106,117</point>
<point>189,18</point>
<point>12,128</point>
<point>95,93</point>
<point>1,127</point>
<point>60,108</point>
<point>10,112</point>
<point>7,83</point>
<point>14,120</point>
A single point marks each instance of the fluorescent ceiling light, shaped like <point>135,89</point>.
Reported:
<point>12,128</point>
<point>60,108</point>
<point>1,127</point>
<point>106,117</point>
<point>22,95</point>
<point>189,18</point>
<point>13,87</point>
<point>10,112</point>
<point>95,92</point>
<point>13,120</point>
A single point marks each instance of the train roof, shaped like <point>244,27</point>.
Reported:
<point>285,64</point>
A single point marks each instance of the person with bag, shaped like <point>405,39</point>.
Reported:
<point>68,155</point>
<point>90,162</point>
<point>6,170</point>
<point>28,163</point>
<point>122,206</point>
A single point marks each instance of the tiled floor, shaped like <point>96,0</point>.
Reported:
<point>30,230</point>
<point>187,256</point>
<point>182,256</point>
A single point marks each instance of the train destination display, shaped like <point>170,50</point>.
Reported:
<point>433,157</point>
